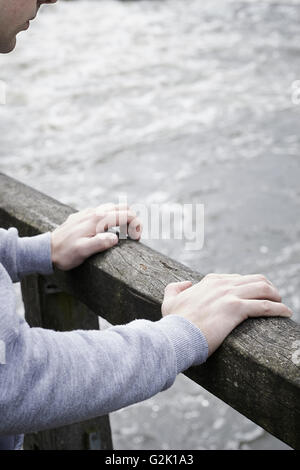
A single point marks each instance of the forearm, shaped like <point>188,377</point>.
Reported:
<point>23,256</point>
<point>56,378</point>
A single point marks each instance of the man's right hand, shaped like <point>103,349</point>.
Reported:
<point>220,302</point>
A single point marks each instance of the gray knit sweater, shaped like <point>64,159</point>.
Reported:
<point>50,379</point>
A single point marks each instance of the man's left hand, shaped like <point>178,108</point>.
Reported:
<point>85,233</point>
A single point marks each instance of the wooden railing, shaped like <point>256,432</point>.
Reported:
<point>254,371</point>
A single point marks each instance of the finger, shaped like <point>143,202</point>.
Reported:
<point>79,215</point>
<point>257,290</point>
<point>95,213</point>
<point>239,279</point>
<point>97,244</point>
<point>135,229</point>
<point>252,278</point>
<point>174,288</point>
<point>115,219</point>
<point>110,206</point>
<point>265,308</point>
<point>85,228</point>
<point>223,275</point>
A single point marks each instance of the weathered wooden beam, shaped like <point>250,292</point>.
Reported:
<point>254,371</point>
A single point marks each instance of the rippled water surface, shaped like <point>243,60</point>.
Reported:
<point>169,101</point>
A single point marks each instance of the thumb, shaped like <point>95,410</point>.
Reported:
<point>174,288</point>
<point>100,242</point>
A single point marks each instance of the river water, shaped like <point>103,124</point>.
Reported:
<point>172,101</point>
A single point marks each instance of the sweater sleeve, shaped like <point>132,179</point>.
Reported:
<point>27,255</point>
<point>52,379</point>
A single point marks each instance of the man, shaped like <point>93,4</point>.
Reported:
<point>53,378</point>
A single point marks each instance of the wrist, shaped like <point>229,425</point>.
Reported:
<point>189,342</point>
<point>34,254</point>
<point>54,251</point>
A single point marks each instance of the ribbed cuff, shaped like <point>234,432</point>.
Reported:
<point>34,255</point>
<point>189,342</point>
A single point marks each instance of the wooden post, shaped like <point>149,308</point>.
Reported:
<point>48,307</point>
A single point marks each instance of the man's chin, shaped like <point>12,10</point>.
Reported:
<point>8,46</point>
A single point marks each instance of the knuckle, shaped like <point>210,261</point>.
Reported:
<point>103,207</point>
<point>233,304</point>
<point>100,227</point>
<point>111,220</point>
<point>102,223</point>
<point>266,289</point>
<point>266,308</point>
<point>94,217</point>
<point>232,300</point>
<point>229,291</point>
